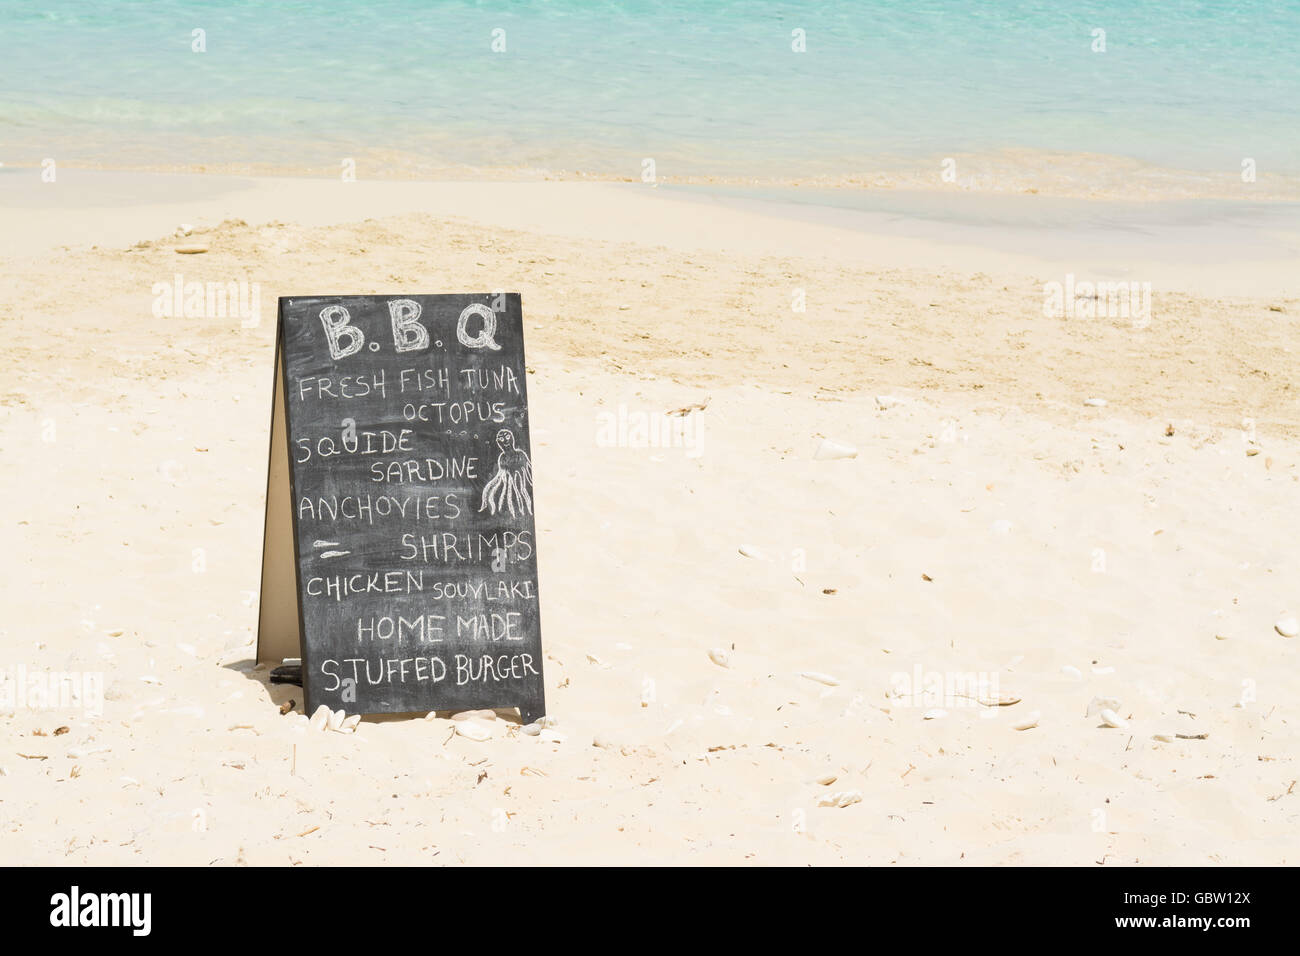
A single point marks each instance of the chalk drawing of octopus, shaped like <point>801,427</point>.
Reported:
<point>511,487</point>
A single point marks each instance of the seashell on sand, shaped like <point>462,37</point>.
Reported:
<point>821,678</point>
<point>474,715</point>
<point>1028,722</point>
<point>998,700</point>
<point>1112,719</point>
<point>473,729</point>
<point>840,798</point>
<point>1287,626</point>
<point>829,450</point>
<point>319,719</point>
<point>720,656</point>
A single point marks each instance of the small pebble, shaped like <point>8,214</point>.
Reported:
<point>935,713</point>
<point>192,249</point>
<point>1095,402</point>
<point>1072,672</point>
<point>1287,626</point>
<point>532,730</point>
<point>720,656</point>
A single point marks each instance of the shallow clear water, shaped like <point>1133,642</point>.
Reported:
<point>707,89</point>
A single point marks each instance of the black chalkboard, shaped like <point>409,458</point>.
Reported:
<point>404,419</point>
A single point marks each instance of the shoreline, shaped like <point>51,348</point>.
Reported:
<point>1006,172</point>
<point>1203,247</point>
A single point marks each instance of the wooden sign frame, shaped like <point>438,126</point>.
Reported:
<point>279,618</point>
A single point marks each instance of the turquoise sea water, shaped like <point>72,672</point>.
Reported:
<point>704,88</point>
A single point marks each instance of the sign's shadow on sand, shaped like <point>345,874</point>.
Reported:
<point>276,696</point>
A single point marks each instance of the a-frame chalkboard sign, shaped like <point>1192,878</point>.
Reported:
<point>400,555</point>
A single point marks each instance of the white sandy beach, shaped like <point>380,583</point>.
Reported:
<point>991,523</point>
